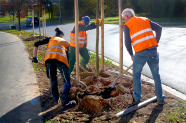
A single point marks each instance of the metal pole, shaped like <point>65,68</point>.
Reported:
<point>60,17</point>
<point>39,19</point>
<point>102,34</point>
<point>120,39</point>
<point>97,40</point>
<point>124,75</point>
<point>135,107</point>
<point>33,19</point>
<point>43,21</point>
<point>76,37</point>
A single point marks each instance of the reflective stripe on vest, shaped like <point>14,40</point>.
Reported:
<point>57,50</point>
<point>80,42</point>
<point>143,39</point>
<point>52,52</point>
<point>57,47</point>
<point>141,33</point>
<point>82,38</point>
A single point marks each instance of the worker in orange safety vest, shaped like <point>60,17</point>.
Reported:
<point>84,26</point>
<point>138,33</point>
<point>57,57</point>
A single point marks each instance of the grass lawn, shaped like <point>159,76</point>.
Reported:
<point>9,19</point>
<point>29,45</point>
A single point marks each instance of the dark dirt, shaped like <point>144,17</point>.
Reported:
<point>119,100</point>
<point>149,114</point>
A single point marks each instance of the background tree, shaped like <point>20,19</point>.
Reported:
<point>19,7</point>
<point>136,6</point>
<point>12,8</point>
<point>180,8</point>
<point>149,8</point>
<point>111,8</point>
<point>68,8</point>
<point>163,8</point>
<point>3,7</point>
<point>87,8</point>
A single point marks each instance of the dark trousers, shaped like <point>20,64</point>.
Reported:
<point>51,68</point>
<point>84,52</point>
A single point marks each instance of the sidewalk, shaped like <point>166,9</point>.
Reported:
<point>19,92</point>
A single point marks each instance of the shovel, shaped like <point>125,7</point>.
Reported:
<point>79,82</point>
<point>112,86</point>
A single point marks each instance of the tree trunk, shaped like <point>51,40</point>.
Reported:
<point>13,17</point>
<point>77,37</point>
<point>19,21</point>
<point>52,11</point>
<point>39,20</point>
<point>97,40</point>
<point>120,38</point>
<point>102,34</point>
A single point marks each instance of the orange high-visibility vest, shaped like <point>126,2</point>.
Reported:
<point>57,48</point>
<point>141,33</point>
<point>82,38</point>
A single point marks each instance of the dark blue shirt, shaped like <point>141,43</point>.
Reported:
<point>86,28</point>
<point>41,42</point>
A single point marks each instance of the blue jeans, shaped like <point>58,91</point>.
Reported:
<point>151,57</point>
<point>51,68</point>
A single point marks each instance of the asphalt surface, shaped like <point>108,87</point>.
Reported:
<point>171,50</point>
<point>19,94</point>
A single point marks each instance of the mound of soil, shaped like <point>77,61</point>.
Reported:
<point>97,104</point>
<point>32,38</point>
<point>93,107</point>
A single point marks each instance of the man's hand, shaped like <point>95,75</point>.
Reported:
<point>132,57</point>
<point>35,60</point>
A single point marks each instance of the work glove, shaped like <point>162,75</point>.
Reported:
<point>101,23</point>
<point>35,60</point>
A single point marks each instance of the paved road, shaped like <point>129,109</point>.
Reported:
<point>19,94</point>
<point>171,48</point>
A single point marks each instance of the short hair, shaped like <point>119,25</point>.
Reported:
<point>59,32</point>
<point>128,11</point>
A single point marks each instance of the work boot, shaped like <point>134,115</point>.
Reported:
<point>69,105</point>
<point>134,102</point>
<point>57,102</point>
<point>84,67</point>
<point>161,102</point>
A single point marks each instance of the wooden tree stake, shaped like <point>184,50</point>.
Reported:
<point>76,37</point>
<point>33,19</point>
<point>120,38</point>
<point>102,34</point>
<point>97,40</point>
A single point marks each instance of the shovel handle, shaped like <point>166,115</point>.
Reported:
<point>79,81</point>
<point>125,71</point>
